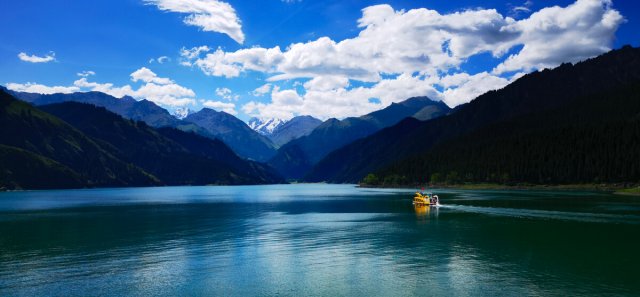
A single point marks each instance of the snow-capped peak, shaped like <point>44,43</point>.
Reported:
<point>182,112</point>
<point>266,126</point>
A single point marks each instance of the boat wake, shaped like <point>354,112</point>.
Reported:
<point>547,214</point>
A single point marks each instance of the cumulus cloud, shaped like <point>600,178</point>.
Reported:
<point>227,94</point>
<point>41,89</point>
<point>556,34</point>
<point>37,59</point>
<point>391,42</point>
<point>86,73</point>
<point>162,91</point>
<point>107,88</point>
<point>146,75</point>
<point>341,101</point>
<point>326,83</point>
<point>262,90</point>
<point>209,15</point>
<point>227,107</point>
<point>168,94</point>
<point>462,87</point>
<point>418,49</point>
<point>231,64</point>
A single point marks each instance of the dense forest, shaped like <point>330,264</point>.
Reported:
<point>574,123</point>
<point>75,145</point>
<point>595,140</point>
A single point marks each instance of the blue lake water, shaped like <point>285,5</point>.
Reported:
<point>317,240</point>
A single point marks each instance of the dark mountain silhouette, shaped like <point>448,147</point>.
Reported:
<point>143,110</point>
<point>593,139</point>
<point>527,103</point>
<point>41,151</point>
<point>229,129</point>
<point>235,133</point>
<point>297,157</point>
<point>173,156</point>
<point>18,167</point>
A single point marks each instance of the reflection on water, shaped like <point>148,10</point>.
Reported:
<point>422,211</point>
<point>315,240</point>
<point>425,213</point>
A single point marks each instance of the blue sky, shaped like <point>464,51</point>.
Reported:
<point>350,57</point>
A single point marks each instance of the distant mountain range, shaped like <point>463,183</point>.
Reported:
<point>244,141</point>
<point>296,158</point>
<point>573,124</point>
<point>295,128</point>
<point>265,127</point>
<point>70,145</point>
<point>127,107</point>
<point>235,133</point>
<point>281,132</point>
<point>207,122</point>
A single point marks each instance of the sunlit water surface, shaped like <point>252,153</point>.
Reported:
<point>330,240</point>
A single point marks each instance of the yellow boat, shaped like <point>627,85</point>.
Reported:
<point>428,199</point>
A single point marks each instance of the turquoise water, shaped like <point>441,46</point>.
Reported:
<point>318,240</point>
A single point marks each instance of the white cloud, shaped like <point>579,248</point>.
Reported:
<point>193,53</point>
<point>556,34</point>
<point>418,47</point>
<point>146,75</point>
<point>223,92</point>
<point>391,42</point>
<point>517,10</point>
<point>107,88</point>
<point>160,60</point>
<point>41,89</point>
<point>86,73</point>
<point>227,94</point>
<point>227,107</point>
<point>462,87</point>
<point>340,101</point>
<point>162,91</point>
<point>168,94</point>
<point>262,90</point>
<point>209,15</point>
<point>326,83</point>
<point>220,63</point>
<point>37,59</point>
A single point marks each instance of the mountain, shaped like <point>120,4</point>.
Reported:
<point>41,151</point>
<point>297,157</point>
<point>265,127</point>
<point>530,116</point>
<point>18,167</point>
<point>592,139</point>
<point>181,113</point>
<point>127,107</point>
<point>242,141</point>
<point>280,131</point>
<point>235,133</point>
<point>173,156</point>
<point>295,128</point>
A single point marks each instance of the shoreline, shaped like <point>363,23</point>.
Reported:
<point>618,189</point>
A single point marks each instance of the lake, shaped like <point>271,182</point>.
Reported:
<point>317,240</point>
